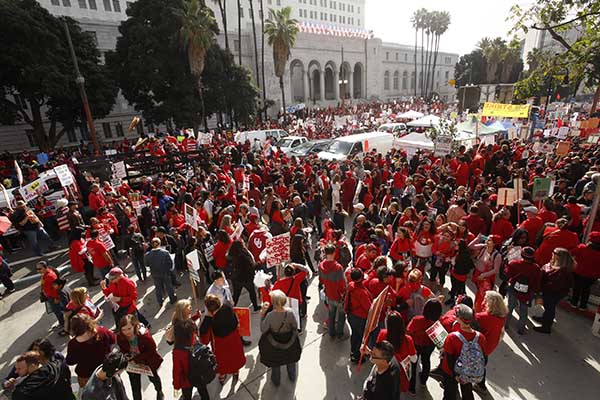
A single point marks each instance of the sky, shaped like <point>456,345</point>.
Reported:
<point>470,20</point>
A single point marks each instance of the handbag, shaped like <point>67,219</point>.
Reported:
<point>275,356</point>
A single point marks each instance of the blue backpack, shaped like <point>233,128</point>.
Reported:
<point>470,365</point>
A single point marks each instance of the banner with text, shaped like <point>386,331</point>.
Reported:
<point>505,110</point>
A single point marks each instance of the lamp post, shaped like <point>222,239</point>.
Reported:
<point>343,82</point>
<point>80,80</point>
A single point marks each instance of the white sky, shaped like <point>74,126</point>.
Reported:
<point>470,20</point>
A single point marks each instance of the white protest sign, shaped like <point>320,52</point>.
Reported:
<point>506,196</point>
<point>438,334</point>
<point>193,264</point>
<point>140,369</point>
<point>518,186</point>
<point>443,145</point>
<point>64,175</point>
<point>294,305</point>
<point>191,216</point>
<point>563,132</point>
<point>33,190</point>
<point>119,170</point>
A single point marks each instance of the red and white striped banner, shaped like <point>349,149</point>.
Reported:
<point>334,30</point>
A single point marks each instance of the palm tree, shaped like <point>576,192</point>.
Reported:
<point>429,33</point>
<point>239,14</point>
<point>262,52</point>
<point>223,10</point>
<point>197,34</point>
<point>418,20</point>
<point>255,44</point>
<point>420,16</point>
<point>415,24</point>
<point>281,31</point>
<point>493,51</point>
<point>442,23</point>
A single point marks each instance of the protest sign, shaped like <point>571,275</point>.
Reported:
<point>141,369</point>
<point>243,316</point>
<point>193,264</point>
<point>278,249</point>
<point>294,305</point>
<point>506,197</point>
<point>505,110</point>
<point>541,188</point>
<point>562,148</point>
<point>64,175</point>
<point>443,146</point>
<point>33,190</point>
<point>191,216</point>
<point>119,170</point>
<point>374,314</point>
<point>518,186</point>
<point>437,333</point>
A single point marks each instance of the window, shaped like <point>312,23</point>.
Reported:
<point>405,56</point>
<point>67,3</point>
<point>278,2</point>
<point>107,6</point>
<point>396,78</point>
<point>106,130</point>
<point>236,46</point>
<point>93,5</point>
<point>54,2</point>
<point>30,137</point>
<point>358,23</point>
<point>420,80</point>
<point>448,60</point>
<point>119,129</point>
<point>93,35</point>
<point>386,80</point>
<point>396,56</point>
<point>387,55</point>
<point>71,135</point>
<point>241,12</point>
<point>117,5</point>
<point>412,80</point>
<point>82,4</point>
<point>447,75</point>
<point>404,80</point>
<point>324,16</point>
<point>359,9</point>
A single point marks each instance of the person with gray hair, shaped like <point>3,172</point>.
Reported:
<point>279,344</point>
<point>383,383</point>
<point>161,264</point>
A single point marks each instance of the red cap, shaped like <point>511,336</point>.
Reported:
<point>595,237</point>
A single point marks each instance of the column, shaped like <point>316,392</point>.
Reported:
<point>350,85</point>
<point>305,81</point>
<point>336,86</point>
<point>322,84</point>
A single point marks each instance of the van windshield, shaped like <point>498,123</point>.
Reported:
<point>339,147</point>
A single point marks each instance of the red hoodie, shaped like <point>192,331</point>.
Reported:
<point>331,275</point>
<point>358,300</point>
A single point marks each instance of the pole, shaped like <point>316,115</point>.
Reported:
<point>342,78</point>
<point>80,80</point>
<point>594,210</point>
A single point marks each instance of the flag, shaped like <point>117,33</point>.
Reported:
<point>19,173</point>
<point>373,317</point>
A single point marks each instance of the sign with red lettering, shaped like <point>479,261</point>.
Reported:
<point>243,316</point>
<point>278,249</point>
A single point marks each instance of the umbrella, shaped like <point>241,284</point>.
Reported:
<point>5,224</point>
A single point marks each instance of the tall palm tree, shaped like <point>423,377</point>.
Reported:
<point>197,34</point>
<point>262,52</point>
<point>493,50</point>
<point>222,4</point>
<point>281,31</point>
<point>255,43</point>
<point>239,14</point>
<point>415,24</point>
<point>429,33</point>
<point>442,24</point>
<point>421,16</point>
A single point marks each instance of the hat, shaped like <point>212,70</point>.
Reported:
<point>253,217</point>
<point>464,312</point>
<point>73,203</point>
<point>528,253</point>
<point>595,237</point>
<point>21,203</point>
<point>62,202</point>
<point>114,272</point>
<point>161,229</point>
<point>531,209</point>
<point>359,206</point>
<point>493,197</point>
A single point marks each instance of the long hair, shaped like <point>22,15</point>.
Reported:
<point>79,295</point>
<point>563,258</point>
<point>396,331</point>
<point>237,250</point>
<point>495,305</point>
<point>126,320</point>
<point>179,313</point>
<point>431,226</point>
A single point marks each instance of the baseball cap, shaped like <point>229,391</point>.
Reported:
<point>114,272</point>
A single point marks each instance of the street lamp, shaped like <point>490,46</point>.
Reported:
<point>343,83</point>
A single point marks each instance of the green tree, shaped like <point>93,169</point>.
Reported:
<point>471,68</point>
<point>255,42</point>
<point>197,34</point>
<point>36,72</point>
<point>503,60</point>
<point>442,22</point>
<point>281,31</point>
<point>222,4</point>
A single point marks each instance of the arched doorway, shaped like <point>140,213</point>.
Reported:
<point>344,80</point>
<point>297,81</point>
<point>330,81</point>
<point>358,81</point>
<point>314,73</point>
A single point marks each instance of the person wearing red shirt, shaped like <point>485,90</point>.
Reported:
<point>444,249</point>
<point>382,278</point>
<point>101,257</point>
<point>547,213</point>
<point>532,224</point>
<point>462,172</point>
<point>553,237</point>
<point>475,223</point>
<point>404,347</point>
<point>331,276</point>
<point>95,198</point>
<point>574,211</point>
<point>452,349</point>
<point>185,336</point>
<point>294,275</point>
<point>222,245</point>
<point>586,271</point>
<point>365,261</point>
<point>400,248</point>
<point>348,189</point>
<point>524,280</point>
<point>124,295</point>
<point>491,325</point>
<point>357,305</point>
<point>502,226</point>
<point>52,294</point>
<point>417,329</point>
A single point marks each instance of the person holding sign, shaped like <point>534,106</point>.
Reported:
<point>139,348</point>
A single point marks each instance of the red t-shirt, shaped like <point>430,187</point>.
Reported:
<point>47,279</point>
<point>491,326</point>
<point>289,287</point>
<point>405,292</point>
<point>407,349</point>
<point>96,249</point>
<point>416,329</point>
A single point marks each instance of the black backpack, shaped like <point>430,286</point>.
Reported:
<point>345,257</point>
<point>203,365</point>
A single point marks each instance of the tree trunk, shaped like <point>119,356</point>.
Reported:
<point>416,72</point>
<point>223,9</point>
<point>239,49</point>
<point>283,100</point>
<point>422,59</point>
<point>262,54</point>
<point>39,132</point>
<point>435,56</point>
<point>427,59</point>
<point>596,99</point>
<point>255,46</point>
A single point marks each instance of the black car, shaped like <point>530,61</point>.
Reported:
<point>310,147</point>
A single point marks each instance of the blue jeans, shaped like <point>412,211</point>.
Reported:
<point>512,304</point>
<point>337,318</point>
<point>104,272</point>
<point>161,282</point>
<point>357,326</point>
<point>34,237</point>
<point>140,268</point>
<point>292,370</point>
<point>57,309</point>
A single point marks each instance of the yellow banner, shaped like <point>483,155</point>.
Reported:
<point>505,110</point>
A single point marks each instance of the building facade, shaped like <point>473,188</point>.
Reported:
<point>334,59</point>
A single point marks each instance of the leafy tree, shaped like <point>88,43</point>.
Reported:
<point>471,68</point>
<point>441,21</point>
<point>37,76</point>
<point>281,31</point>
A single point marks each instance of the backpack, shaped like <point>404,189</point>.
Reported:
<point>470,364</point>
<point>345,257</point>
<point>203,365</point>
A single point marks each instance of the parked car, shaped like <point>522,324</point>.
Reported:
<point>310,147</point>
<point>290,142</point>
<point>274,134</point>
<point>395,128</point>
<point>346,147</point>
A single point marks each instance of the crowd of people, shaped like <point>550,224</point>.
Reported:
<point>416,229</point>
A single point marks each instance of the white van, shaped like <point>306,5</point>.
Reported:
<point>262,136</point>
<point>349,146</point>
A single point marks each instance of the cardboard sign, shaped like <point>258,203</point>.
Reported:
<point>33,190</point>
<point>541,188</point>
<point>562,148</point>
<point>141,369</point>
<point>443,146</point>
<point>294,305</point>
<point>64,175</point>
<point>193,264</point>
<point>438,334</point>
<point>406,366</point>
<point>563,132</point>
<point>191,216</point>
<point>106,239</point>
<point>278,249</point>
<point>119,170</point>
<point>518,186</point>
<point>243,316</point>
<point>506,197</point>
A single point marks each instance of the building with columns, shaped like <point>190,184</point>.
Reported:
<point>334,59</point>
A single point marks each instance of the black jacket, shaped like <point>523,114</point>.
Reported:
<point>50,381</point>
